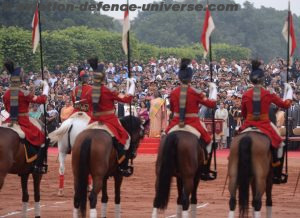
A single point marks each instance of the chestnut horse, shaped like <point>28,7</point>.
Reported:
<point>94,153</point>
<point>180,155</point>
<point>13,161</point>
<point>250,163</point>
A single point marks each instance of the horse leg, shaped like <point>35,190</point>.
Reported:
<point>118,182</point>
<point>61,158</point>
<point>188,185</point>
<point>25,195</point>
<point>97,186</point>
<point>194,198</point>
<point>104,198</point>
<point>179,198</point>
<point>260,188</point>
<point>269,194</point>
<point>232,185</point>
<point>36,186</point>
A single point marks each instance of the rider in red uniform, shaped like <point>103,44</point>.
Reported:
<point>16,101</point>
<point>104,111</point>
<point>81,94</point>
<point>185,101</point>
<point>255,109</point>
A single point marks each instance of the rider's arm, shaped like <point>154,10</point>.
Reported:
<point>279,102</point>
<point>122,98</point>
<point>36,99</point>
<point>205,101</point>
<point>244,107</point>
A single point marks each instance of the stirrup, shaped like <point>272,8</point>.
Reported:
<point>43,169</point>
<point>126,172</point>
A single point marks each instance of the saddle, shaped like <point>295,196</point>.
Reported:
<point>30,150</point>
<point>16,128</point>
<point>252,129</point>
<point>186,128</point>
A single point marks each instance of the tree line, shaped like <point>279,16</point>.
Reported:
<point>75,44</point>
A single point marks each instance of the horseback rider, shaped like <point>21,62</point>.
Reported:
<point>103,100</point>
<point>16,101</point>
<point>184,104</point>
<point>80,93</point>
<point>255,110</point>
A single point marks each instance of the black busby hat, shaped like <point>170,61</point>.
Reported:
<point>185,73</point>
<point>257,74</point>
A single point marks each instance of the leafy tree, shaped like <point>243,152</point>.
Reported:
<point>75,44</point>
<point>257,29</point>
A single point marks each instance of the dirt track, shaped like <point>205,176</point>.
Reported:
<point>138,193</point>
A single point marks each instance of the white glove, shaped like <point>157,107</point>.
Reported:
<point>131,86</point>
<point>213,92</point>
<point>45,88</point>
<point>288,92</point>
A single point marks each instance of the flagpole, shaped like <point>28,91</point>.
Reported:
<point>42,67</point>
<point>287,80</point>
<point>213,110</point>
<point>128,57</point>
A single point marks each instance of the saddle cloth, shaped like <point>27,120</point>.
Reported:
<point>31,152</point>
<point>254,129</point>
<point>17,129</point>
<point>98,125</point>
<point>101,126</point>
<point>186,128</point>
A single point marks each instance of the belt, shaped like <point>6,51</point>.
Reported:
<point>262,117</point>
<point>187,115</point>
<point>103,113</point>
<point>22,114</point>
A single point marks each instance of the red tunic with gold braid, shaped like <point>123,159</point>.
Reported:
<point>32,133</point>
<point>193,99</point>
<point>106,113</point>
<point>85,104</point>
<point>264,123</point>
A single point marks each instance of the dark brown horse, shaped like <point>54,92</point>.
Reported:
<point>250,163</point>
<point>180,155</point>
<point>94,153</point>
<point>13,161</point>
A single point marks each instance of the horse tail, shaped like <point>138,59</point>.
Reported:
<point>244,173</point>
<point>168,164</point>
<point>82,180</point>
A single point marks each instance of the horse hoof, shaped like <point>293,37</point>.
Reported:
<point>60,193</point>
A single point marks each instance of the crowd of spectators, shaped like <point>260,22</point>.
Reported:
<point>160,76</point>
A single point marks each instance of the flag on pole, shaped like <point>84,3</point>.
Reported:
<point>126,28</point>
<point>35,30</point>
<point>286,32</point>
<point>208,28</point>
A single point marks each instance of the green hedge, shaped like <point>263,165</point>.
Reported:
<point>75,44</point>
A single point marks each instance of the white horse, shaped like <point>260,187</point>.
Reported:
<point>65,137</point>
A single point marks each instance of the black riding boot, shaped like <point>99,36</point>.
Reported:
<point>40,164</point>
<point>205,172</point>
<point>124,169</point>
<point>276,164</point>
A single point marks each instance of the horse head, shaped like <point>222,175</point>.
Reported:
<point>135,128</point>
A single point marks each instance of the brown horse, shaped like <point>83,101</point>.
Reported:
<point>13,161</point>
<point>250,163</point>
<point>94,153</point>
<point>180,155</point>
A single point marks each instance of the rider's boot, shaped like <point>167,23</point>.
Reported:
<point>40,164</point>
<point>276,164</point>
<point>205,172</point>
<point>123,160</point>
